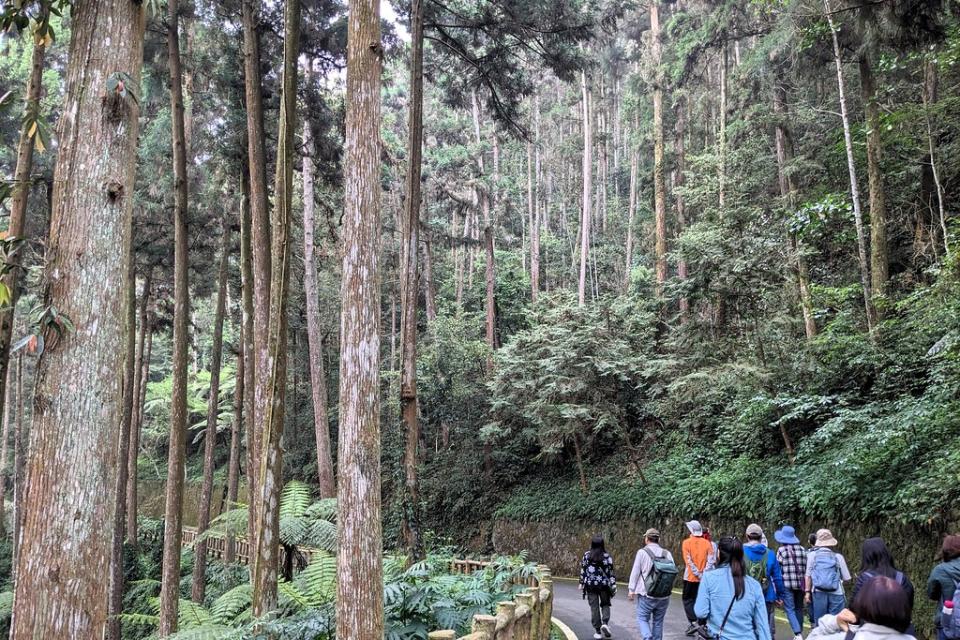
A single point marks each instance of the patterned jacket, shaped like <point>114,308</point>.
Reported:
<point>597,577</point>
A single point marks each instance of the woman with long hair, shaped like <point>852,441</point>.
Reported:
<point>730,603</point>
<point>598,583</point>
<point>876,560</point>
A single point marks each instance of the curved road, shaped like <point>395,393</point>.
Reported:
<point>575,613</point>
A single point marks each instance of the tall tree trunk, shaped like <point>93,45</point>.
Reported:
<point>360,555</point>
<point>879,258</point>
<point>409,285</point>
<point>788,190</point>
<point>233,467</point>
<point>145,342</point>
<point>259,242</point>
<point>722,135</point>
<point>246,294</point>
<point>585,213</point>
<point>78,379</point>
<point>267,537</point>
<point>318,376</point>
<point>659,178</point>
<point>429,286</point>
<point>5,455</point>
<point>115,606</point>
<point>173,513</point>
<point>531,221</point>
<point>631,210</point>
<point>18,204</point>
<point>678,182</point>
<point>199,586</point>
<point>852,170</point>
<point>930,97</point>
<point>20,453</point>
<point>534,196</point>
<point>491,322</point>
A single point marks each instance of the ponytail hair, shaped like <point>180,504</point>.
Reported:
<point>597,550</point>
<point>731,554</point>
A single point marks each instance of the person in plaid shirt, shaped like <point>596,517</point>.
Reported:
<point>793,564</point>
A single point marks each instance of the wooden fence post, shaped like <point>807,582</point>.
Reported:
<point>524,629</point>
<point>442,635</point>
<point>486,625</point>
<point>506,618</point>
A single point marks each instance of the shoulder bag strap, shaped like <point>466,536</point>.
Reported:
<point>726,616</point>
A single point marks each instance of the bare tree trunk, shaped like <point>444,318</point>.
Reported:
<point>259,243</point>
<point>409,285</point>
<point>173,513</point>
<point>429,286</point>
<point>267,536</point>
<point>5,454</point>
<point>929,97</point>
<point>631,212</point>
<point>360,556</point>
<point>722,135</point>
<point>145,346</point>
<point>531,221</point>
<point>318,377</point>
<point>20,453</point>
<point>64,551</point>
<point>18,205</point>
<point>879,258</point>
<point>233,467</point>
<point>491,300</point>
<point>784,145</point>
<point>199,586</point>
<point>246,291</point>
<point>678,182</point>
<point>115,606</point>
<point>659,179</point>
<point>533,188</point>
<point>585,214</point>
<point>852,169</point>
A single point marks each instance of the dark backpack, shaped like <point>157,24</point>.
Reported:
<point>757,569</point>
<point>659,582</point>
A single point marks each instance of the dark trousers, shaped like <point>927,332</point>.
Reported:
<point>690,590</point>
<point>599,608</point>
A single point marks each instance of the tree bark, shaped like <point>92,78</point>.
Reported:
<point>20,453</point>
<point>246,291</point>
<point>585,213</point>
<point>659,179</point>
<point>929,98</point>
<point>267,537</point>
<point>360,556</point>
<point>233,467</point>
<point>879,258</point>
<point>259,241</point>
<point>429,286</point>
<point>409,289</point>
<point>18,205</point>
<point>852,170</point>
<point>173,512</point>
<point>64,553</point>
<point>318,375</point>
<point>199,586</point>
<point>678,182</point>
<point>631,217</point>
<point>142,379</point>
<point>788,190</point>
<point>115,606</point>
<point>5,455</point>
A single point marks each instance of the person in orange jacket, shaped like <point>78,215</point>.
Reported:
<point>699,556</point>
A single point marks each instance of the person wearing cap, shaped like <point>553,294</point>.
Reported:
<point>755,550</point>
<point>793,565</point>
<point>698,558</point>
<point>826,572</point>
<point>650,611</point>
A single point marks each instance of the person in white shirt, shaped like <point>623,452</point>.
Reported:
<point>651,609</point>
<point>826,572</point>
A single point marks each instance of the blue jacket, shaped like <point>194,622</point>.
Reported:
<point>748,616</point>
<point>775,588</point>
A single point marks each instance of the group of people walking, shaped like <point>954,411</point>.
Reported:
<point>732,587</point>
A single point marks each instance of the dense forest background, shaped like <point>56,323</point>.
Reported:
<point>677,258</point>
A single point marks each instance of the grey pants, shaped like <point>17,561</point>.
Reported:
<point>599,608</point>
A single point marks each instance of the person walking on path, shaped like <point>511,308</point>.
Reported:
<point>826,572</point>
<point>598,583</point>
<point>876,560</point>
<point>651,582</point>
<point>763,567</point>
<point>729,602</point>
<point>698,558</point>
<point>881,611</point>
<point>792,558</point>
<point>945,578</point>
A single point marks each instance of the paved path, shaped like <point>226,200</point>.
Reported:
<point>575,613</point>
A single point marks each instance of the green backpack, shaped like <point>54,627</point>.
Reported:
<point>757,569</point>
<point>659,582</point>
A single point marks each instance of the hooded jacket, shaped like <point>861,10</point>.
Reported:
<point>943,582</point>
<point>828,629</point>
<point>753,551</point>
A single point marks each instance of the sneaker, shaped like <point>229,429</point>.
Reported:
<point>692,629</point>
<point>597,636</point>
<point>798,636</point>
<point>605,630</point>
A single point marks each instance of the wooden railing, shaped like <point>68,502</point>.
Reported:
<point>527,617</point>
<point>217,547</point>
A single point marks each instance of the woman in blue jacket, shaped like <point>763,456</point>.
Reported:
<point>730,602</point>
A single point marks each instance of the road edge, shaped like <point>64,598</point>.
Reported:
<point>564,629</point>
